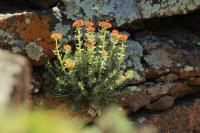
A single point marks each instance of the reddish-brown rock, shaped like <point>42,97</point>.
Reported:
<point>162,104</point>
<point>180,119</point>
<point>168,78</point>
<point>194,81</point>
<point>27,33</point>
<point>188,74</point>
<point>134,100</point>
<point>156,97</point>
<point>179,89</point>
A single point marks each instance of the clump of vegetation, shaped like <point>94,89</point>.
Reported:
<point>23,121</point>
<point>91,70</point>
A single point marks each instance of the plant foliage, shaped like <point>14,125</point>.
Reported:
<point>92,69</point>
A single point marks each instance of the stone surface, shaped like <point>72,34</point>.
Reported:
<point>165,56</point>
<point>154,96</point>
<point>15,79</point>
<point>168,78</point>
<point>170,71</point>
<point>194,81</point>
<point>126,11</point>
<point>134,52</point>
<point>162,104</point>
<point>180,119</point>
<point>27,33</point>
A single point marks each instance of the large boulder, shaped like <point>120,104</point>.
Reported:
<point>167,69</point>
<point>126,11</point>
<point>15,80</point>
<point>180,119</point>
<point>27,33</point>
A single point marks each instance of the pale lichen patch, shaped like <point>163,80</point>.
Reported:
<point>34,51</point>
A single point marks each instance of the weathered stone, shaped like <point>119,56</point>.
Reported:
<point>194,81</point>
<point>163,57</point>
<point>126,11</point>
<point>158,90</point>
<point>152,73</point>
<point>134,100</point>
<point>134,52</point>
<point>187,74</point>
<point>168,78</point>
<point>15,79</point>
<point>180,119</point>
<point>162,104</point>
<point>154,96</point>
<point>159,55</point>
<point>27,33</point>
<point>179,89</point>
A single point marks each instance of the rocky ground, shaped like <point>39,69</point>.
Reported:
<point>164,49</point>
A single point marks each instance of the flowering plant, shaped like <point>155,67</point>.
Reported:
<point>92,69</point>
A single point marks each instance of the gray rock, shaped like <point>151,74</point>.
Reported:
<point>134,52</point>
<point>134,48</point>
<point>153,60</point>
<point>15,79</point>
<point>126,11</point>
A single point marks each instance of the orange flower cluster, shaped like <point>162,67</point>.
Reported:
<point>122,37</point>
<point>90,29</point>
<point>70,64</point>
<point>115,34</point>
<point>67,47</point>
<point>78,23</point>
<point>89,24</point>
<point>56,36</point>
<point>105,24</point>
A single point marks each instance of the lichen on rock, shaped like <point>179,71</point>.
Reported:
<point>34,51</point>
<point>8,38</point>
<point>134,52</point>
<point>126,11</point>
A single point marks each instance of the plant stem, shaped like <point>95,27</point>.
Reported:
<point>102,59</point>
<point>122,52</point>
<point>104,38</point>
<point>79,39</point>
<point>59,56</point>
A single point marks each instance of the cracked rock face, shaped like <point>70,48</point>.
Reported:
<point>126,11</point>
<point>170,71</point>
<point>186,115</point>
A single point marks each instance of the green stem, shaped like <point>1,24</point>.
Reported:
<point>102,59</point>
<point>59,56</point>
<point>79,39</point>
<point>104,38</point>
<point>122,52</point>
